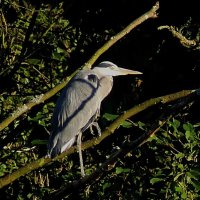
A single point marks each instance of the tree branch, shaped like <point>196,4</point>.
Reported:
<point>150,14</point>
<point>109,164</point>
<point>43,97</point>
<point>176,33</point>
<point>95,141</point>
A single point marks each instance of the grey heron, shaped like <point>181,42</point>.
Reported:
<point>79,105</point>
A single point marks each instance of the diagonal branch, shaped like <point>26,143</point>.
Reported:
<point>150,14</point>
<point>109,164</point>
<point>95,141</point>
<point>43,97</point>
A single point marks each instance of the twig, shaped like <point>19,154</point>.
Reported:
<point>183,40</point>
<point>26,40</point>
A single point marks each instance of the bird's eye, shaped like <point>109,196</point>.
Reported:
<point>113,67</point>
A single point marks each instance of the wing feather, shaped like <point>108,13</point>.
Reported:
<point>77,105</point>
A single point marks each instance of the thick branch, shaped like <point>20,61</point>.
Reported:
<point>109,164</point>
<point>37,100</point>
<point>96,174</point>
<point>150,14</point>
<point>95,141</point>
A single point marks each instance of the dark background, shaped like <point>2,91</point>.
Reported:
<point>167,67</point>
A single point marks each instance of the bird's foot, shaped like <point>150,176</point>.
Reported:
<point>96,125</point>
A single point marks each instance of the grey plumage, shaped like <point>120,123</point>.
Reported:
<point>79,104</point>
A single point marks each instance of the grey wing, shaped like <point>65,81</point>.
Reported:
<point>75,109</point>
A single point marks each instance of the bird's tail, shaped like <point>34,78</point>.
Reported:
<point>60,147</point>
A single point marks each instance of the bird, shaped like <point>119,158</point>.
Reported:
<point>78,106</point>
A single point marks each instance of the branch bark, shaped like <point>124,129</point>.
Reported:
<point>109,164</point>
<point>95,141</point>
<point>150,14</point>
<point>183,40</point>
<point>43,97</point>
<point>96,174</point>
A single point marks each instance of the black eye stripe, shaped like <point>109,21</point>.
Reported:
<point>92,78</point>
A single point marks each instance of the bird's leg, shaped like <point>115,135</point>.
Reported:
<point>80,154</point>
<point>97,127</point>
<point>94,123</point>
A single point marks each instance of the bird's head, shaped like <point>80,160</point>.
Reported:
<point>108,68</point>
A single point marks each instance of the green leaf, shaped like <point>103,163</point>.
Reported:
<point>196,184</point>
<point>177,176</point>
<point>57,56</point>
<point>110,117</point>
<point>155,180</point>
<point>2,169</point>
<point>181,166</point>
<point>189,132</point>
<point>189,135</point>
<point>194,173</point>
<point>29,195</point>
<point>106,185</point>
<point>33,61</point>
<point>178,189</point>
<point>42,122</point>
<point>59,50</point>
<point>38,142</point>
<point>176,123</point>
<point>120,170</point>
<point>188,127</point>
<point>126,124</point>
<point>180,155</point>
<point>141,125</point>
<point>184,195</point>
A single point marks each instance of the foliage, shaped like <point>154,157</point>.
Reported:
<point>166,167</point>
<point>40,45</point>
